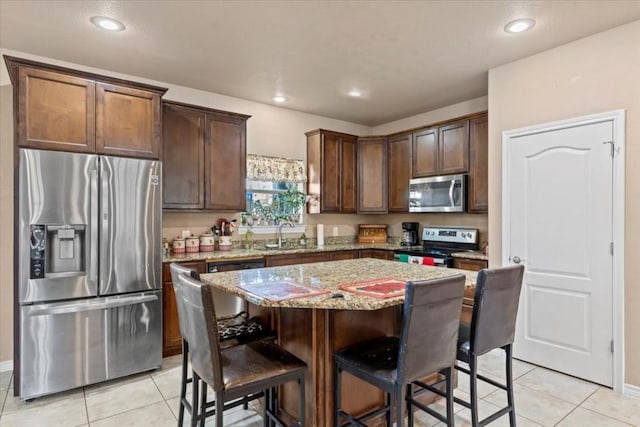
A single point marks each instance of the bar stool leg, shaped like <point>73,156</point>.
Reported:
<point>337,394</point>
<point>203,403</point>
<point>400,397</point>
<point>449,391</point>
<point>301,402</point>
<point>265,410</point>
<point>219,408</point>
<point>409,407</point>
<point>273,404</point>
<point>509,367</point>
<point>183,384</point>
<point>387,415</point>
<point>473,387</point>
<point>195,399</point>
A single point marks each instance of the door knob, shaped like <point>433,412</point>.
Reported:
<point>516,259</point>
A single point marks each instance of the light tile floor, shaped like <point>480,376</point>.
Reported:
<point>542,397</point>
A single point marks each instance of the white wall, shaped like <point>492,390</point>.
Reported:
<point>591,75</point>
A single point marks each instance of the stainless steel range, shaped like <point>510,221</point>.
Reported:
<point>438,243</point>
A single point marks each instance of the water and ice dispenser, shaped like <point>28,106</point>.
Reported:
<point>57,250</point>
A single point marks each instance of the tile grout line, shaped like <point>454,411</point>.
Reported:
<point>4,401</point>
<point>578,406</point>
<point>598,412</point>
<point>113,385</point>
<point>558,398</point>
<point>164,399</point>
<point>86,406</point>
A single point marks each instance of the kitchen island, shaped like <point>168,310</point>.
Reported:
<point>314,327</point>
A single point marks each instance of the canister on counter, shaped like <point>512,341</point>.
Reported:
<point>225,243</point>
<point>192,244</point>
<point>178,245</point>
<point>207,242</point>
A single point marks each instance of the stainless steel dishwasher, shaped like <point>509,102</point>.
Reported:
<point>225,303</point>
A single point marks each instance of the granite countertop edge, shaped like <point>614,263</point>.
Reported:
<point>257,253</point>
<point>470,255</point>
<point>329,276</point>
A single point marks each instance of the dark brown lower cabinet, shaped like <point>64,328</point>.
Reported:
<point>290,259</point>
<point>339,255</point>
<point>467,302</point>
<point>376,253</point>
<point>171,338</point>
<point>469,264</point>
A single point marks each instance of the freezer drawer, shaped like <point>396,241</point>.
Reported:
<point>72,344</point>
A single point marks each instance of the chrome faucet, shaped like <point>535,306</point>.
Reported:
<point>280,232</point>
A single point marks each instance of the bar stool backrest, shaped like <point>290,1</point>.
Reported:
<point>430,323</point>
<point>198,319</point>
<point>176,270</point>
<point>493,322</point>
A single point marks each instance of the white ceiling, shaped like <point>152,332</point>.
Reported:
<point>406,56</point>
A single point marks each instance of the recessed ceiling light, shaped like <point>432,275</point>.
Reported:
<point>519,25</point>
<point>279,99</point>
<point>354,93</point>
<point>107,23</point>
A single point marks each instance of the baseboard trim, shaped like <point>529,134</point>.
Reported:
<point>7,365</point>
<point>631,391</point>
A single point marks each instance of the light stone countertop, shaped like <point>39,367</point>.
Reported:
<point>329,275</point>
<point>470,255</point>
<point>256,253</point>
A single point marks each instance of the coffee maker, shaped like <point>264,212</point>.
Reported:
<point>410,234</point>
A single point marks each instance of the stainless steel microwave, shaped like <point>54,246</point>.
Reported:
<point>438,194</point>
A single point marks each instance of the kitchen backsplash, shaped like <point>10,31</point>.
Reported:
<point>347,224</point>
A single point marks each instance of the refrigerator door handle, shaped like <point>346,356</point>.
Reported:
<point>106,244</point>
<point>76,307</point>
<point>93,255</point>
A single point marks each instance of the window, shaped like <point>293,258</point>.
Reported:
<point>275,193</point>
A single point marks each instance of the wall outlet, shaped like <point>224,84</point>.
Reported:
<point>335,231</point>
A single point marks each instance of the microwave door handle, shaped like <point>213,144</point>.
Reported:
<point>451,187</point>
<point>93,233</point>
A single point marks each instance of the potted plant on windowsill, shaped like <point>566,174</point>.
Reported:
<point>291,202</point>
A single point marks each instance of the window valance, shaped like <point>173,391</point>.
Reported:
<point>275,169</point>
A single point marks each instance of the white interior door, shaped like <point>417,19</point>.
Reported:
<point>558,213</point>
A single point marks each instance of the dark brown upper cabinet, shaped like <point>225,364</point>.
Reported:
<point>226,156</point>
<point>68,110</point>
<point>331,171</point>
<point>453,148</point>
<point>128,122</point>
<point>372,175</point>
<point>441,150</point>
<point>399,160</point>
<point>478,188</point>
<point>183,154</point>
<point>425,153</point>
<point>204,158</point>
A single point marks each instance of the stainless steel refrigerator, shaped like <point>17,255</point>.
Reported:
<point>89,301</point>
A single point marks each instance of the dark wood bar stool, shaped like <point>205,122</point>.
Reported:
<point>237,374</point>
<point>493,325</point>
<point>427,344</point>
<point>176,271</point>
<point>241,334</point>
